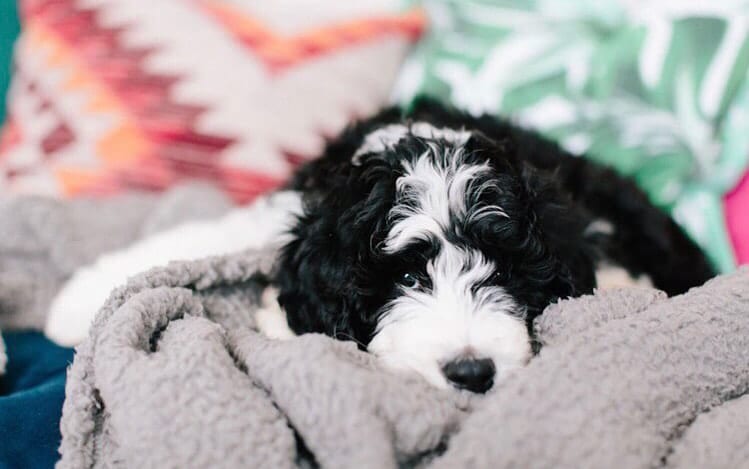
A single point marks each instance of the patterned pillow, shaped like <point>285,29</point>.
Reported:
<point>116,94</point>
<point>659,90</point>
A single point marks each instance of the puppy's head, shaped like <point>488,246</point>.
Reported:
<point>433,248</point>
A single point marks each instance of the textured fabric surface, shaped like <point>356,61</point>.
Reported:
<point>659,91</point>
<point>115,94</point>
<point>31,396</point>
<point>705,441</point>
<point>173,374</point>
<point>9,29</point>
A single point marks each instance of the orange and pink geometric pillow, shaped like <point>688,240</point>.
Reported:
<point>109,95</point>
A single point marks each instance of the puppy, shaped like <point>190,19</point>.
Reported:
<point>432,239</point>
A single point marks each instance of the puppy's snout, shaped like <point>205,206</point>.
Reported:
<point>476,375</point>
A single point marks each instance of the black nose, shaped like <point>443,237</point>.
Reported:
<point>473,374</point>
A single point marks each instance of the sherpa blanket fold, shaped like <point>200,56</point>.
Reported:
<point>175,375</point>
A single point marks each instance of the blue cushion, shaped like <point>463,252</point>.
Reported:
<point>31,396</point>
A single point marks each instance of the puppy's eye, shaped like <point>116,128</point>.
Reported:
<point>409,280</point>
<point>497,277</point>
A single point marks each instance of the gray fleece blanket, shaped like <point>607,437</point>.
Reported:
<point>174,375</point>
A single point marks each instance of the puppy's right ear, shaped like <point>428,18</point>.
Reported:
<point>345,206</point>
<point>312,278</point>
<point>320,274</point>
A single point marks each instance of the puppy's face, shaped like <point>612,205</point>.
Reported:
<point>427,247</point>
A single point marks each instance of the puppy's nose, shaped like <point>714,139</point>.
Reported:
<point>476,375</point>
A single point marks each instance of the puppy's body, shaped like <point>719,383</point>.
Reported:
<point>432,239</point>
<point>435,239</point>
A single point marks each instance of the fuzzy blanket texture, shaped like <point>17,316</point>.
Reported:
<point>175,375</point>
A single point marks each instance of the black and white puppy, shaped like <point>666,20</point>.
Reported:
<point>433,239</point>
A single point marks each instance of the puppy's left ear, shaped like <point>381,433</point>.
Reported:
<point>560,225</point>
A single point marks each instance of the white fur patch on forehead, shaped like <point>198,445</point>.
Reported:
<point>387,137</point>
<point>456,269</point>
<point>433,192</point>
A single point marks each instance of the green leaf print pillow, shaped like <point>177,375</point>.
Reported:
<point>656,89</point>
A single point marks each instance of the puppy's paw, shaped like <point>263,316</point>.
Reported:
<point>74,307</point>
<point>609,277</point>
<point>270,318</point>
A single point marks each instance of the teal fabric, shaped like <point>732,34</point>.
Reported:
<point>31,394</point>
<point>9,29</point>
